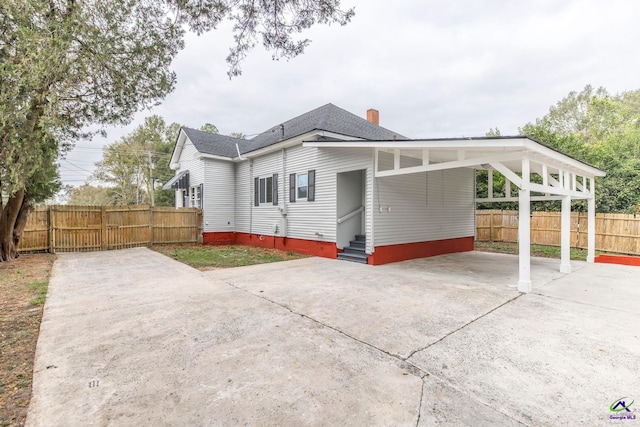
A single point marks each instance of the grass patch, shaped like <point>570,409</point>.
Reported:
<point>23,289</point>
<point>536,250</point>
<point>40,289</point>
<point>208,257</point>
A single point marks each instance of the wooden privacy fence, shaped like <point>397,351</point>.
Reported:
<point>614,232</point>
<point>95,228</point>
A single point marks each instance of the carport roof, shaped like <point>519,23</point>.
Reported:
<point>474,152</point>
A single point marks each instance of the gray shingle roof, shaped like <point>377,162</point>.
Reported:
<point>216,144</point>
<point>326,118</point>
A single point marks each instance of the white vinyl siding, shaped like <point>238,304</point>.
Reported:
<point>317,220</point>
<point>219,195</point>
<point>263,218</point>
<point>243,197</point>
<point>424,207</point>
<point>196,171</point>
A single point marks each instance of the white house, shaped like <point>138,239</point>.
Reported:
<point>332,184</point>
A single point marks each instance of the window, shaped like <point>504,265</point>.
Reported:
<point>302,186</point>
<point>196,197</point>
<point>266,190</point>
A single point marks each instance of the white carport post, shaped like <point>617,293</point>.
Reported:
<point>565,236</point>
<point>524,229</point>
<point>591,222</point>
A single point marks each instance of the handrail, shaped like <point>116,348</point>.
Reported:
<point>350,215</point>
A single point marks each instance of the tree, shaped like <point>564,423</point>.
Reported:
<point>602,130</point>
<point>66,65</point>
<point>134,165</point>
<point>208,127</point>
<point>89,195</point>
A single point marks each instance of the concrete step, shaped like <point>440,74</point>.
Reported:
<point>361,238</point>
<point>361,258</point>
<point>357,244</point>
<point>356,251</point>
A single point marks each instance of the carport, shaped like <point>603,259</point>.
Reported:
<point>538,171</point>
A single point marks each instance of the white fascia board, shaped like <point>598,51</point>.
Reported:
<point>451,144</point>
<point>199,156</point>
<point>288,143</point>
<point>563,161</point>
<point>174,163</point>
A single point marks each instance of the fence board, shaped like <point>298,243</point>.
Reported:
<point>618,233</point>
<point>93,228</point>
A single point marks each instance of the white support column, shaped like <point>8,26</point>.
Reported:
<point>565,236</point>
<point>524,229</point>
<point>591,223</point>
<point>490,184</point>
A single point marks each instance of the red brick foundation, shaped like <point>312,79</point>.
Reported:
<point>406,251</point>
<point>302,246</point>
<point>219,238</point>
<point>382,254</point>
<point>618,259</point>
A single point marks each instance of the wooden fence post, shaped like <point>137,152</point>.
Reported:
<point>103,228</point>
<point>52,238</point>
<point>151,224</point>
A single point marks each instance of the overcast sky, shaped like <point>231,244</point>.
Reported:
<point>436,68</point>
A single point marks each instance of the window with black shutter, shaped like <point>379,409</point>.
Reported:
<point>256,192</point>
<point>274,187</point>
<point>292,187</point>
<point>311,189</point>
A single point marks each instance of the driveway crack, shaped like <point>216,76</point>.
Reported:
<point>333,328</point>
<point>463,326</point>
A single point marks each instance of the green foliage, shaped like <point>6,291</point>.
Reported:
<point>208,127</point>
<point>89,195</point>
<point>135,166</point>
<point>604,131</point>
<point>67,66</point>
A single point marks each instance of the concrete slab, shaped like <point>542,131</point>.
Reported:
<point>134,338</point>
<point>542,361</point>
<point>398,308</point>
<point>603,285</point>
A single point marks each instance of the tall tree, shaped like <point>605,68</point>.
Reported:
<point>69,64</point>
<point>603,130</point>
<point>134,165</point>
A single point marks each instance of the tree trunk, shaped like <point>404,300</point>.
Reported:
<point>8,217</point>
<point>21,221</point>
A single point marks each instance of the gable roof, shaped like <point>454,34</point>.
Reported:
<point>327,118</point>
<point>216,144</point>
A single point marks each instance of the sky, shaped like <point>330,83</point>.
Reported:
<point>432,68</point>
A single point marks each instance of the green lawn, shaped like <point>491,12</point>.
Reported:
<point>536,250</point>
<point>204,257</point>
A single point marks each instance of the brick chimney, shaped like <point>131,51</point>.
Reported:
<point>373,116</point>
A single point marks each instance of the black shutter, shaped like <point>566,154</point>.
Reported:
<point>274,188</point>
<point>311,191</point>
<point>201,196</point>
<point>256,191</point>
<point>292,187</point>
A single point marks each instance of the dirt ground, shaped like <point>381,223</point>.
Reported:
<point>23,285</point>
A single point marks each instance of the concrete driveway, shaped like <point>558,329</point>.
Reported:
<point>134,338</point>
